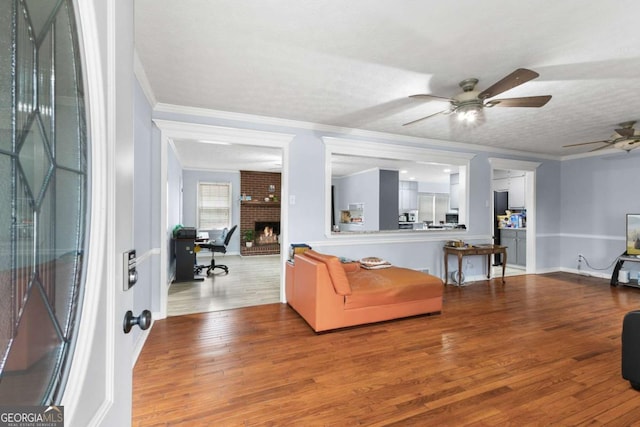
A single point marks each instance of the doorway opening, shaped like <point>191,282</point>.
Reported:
<point>219,138</point>
<point>513,213</point>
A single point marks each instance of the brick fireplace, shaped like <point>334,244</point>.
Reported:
<point>263,210</point>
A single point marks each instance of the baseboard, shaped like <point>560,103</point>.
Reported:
<point>603,275</point>
<point>585,273</point>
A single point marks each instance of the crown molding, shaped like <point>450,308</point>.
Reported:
<point>186,130</point>
<point>403,152</point>
<point>141,75</point>
<point>360,133</point>
<point>498,163</point>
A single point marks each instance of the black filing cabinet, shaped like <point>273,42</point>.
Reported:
<point>184,241</point>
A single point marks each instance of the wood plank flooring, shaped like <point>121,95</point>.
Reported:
<point>540,350</point>
<point>252,280</point>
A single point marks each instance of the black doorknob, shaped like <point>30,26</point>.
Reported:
<point>143,321</point>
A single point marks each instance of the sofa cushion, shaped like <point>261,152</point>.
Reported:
<point>390,286</point>
<point>336,271</point>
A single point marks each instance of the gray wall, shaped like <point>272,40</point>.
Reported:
<point>549,212</point>
<point>362,188</point>
<point>174,206</point>
<point>389,194</point>
<point>597,192</point>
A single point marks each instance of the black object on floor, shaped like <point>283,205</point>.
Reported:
<point>631,348</point>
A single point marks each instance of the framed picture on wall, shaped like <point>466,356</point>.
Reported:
<point>633,234</point>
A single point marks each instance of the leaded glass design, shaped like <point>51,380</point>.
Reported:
<point>43,197</point>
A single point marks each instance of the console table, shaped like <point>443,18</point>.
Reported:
<point>463,251</point>
<point>621,260</point>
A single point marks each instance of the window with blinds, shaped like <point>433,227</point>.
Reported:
<point>214,205</point>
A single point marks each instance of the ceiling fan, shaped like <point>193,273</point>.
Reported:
<point>469,104</point>
<point>624,138</point>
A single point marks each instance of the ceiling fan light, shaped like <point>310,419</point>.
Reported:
<point>468,113</point>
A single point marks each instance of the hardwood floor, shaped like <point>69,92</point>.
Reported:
<point>252,280</point>
<point>540,350</point>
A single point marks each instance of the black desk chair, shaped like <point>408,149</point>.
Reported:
<point>214,247</point>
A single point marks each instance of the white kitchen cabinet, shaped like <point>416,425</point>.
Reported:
<point>516,192</point>
<point>514,183</point>
<point>501,184</point>
<point>454,199</point>
<point>454,191</point>
<point>408,196</point>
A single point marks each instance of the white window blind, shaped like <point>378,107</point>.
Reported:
<point>214,205</point>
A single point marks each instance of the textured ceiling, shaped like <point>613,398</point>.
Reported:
<point>355,63</point>
<point>205,156</point>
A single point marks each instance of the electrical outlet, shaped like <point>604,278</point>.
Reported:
<point>580,262</point>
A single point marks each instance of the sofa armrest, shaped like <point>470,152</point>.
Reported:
<point>336,271</point>
<point>315,298</point>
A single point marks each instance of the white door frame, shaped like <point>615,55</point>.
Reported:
<point>171,130</point>
<point>529,169</point>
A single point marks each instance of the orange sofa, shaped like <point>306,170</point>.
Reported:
<point>329,294</point>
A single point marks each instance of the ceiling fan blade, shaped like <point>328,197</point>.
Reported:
<point>528,101</point>
<point>426,95</point>
<point>518,77</point>
<point>600,148</point>
<point>425,118</point>
<point>626,132</point>
<point>587,143</point>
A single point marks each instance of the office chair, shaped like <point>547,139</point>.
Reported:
<point>213,247</point>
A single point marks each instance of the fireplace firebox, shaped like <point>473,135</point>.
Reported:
<point>267,232</point>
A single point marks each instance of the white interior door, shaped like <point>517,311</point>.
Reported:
<point>66,189</point>
<point>44,212</point>
<point>99,386</point>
